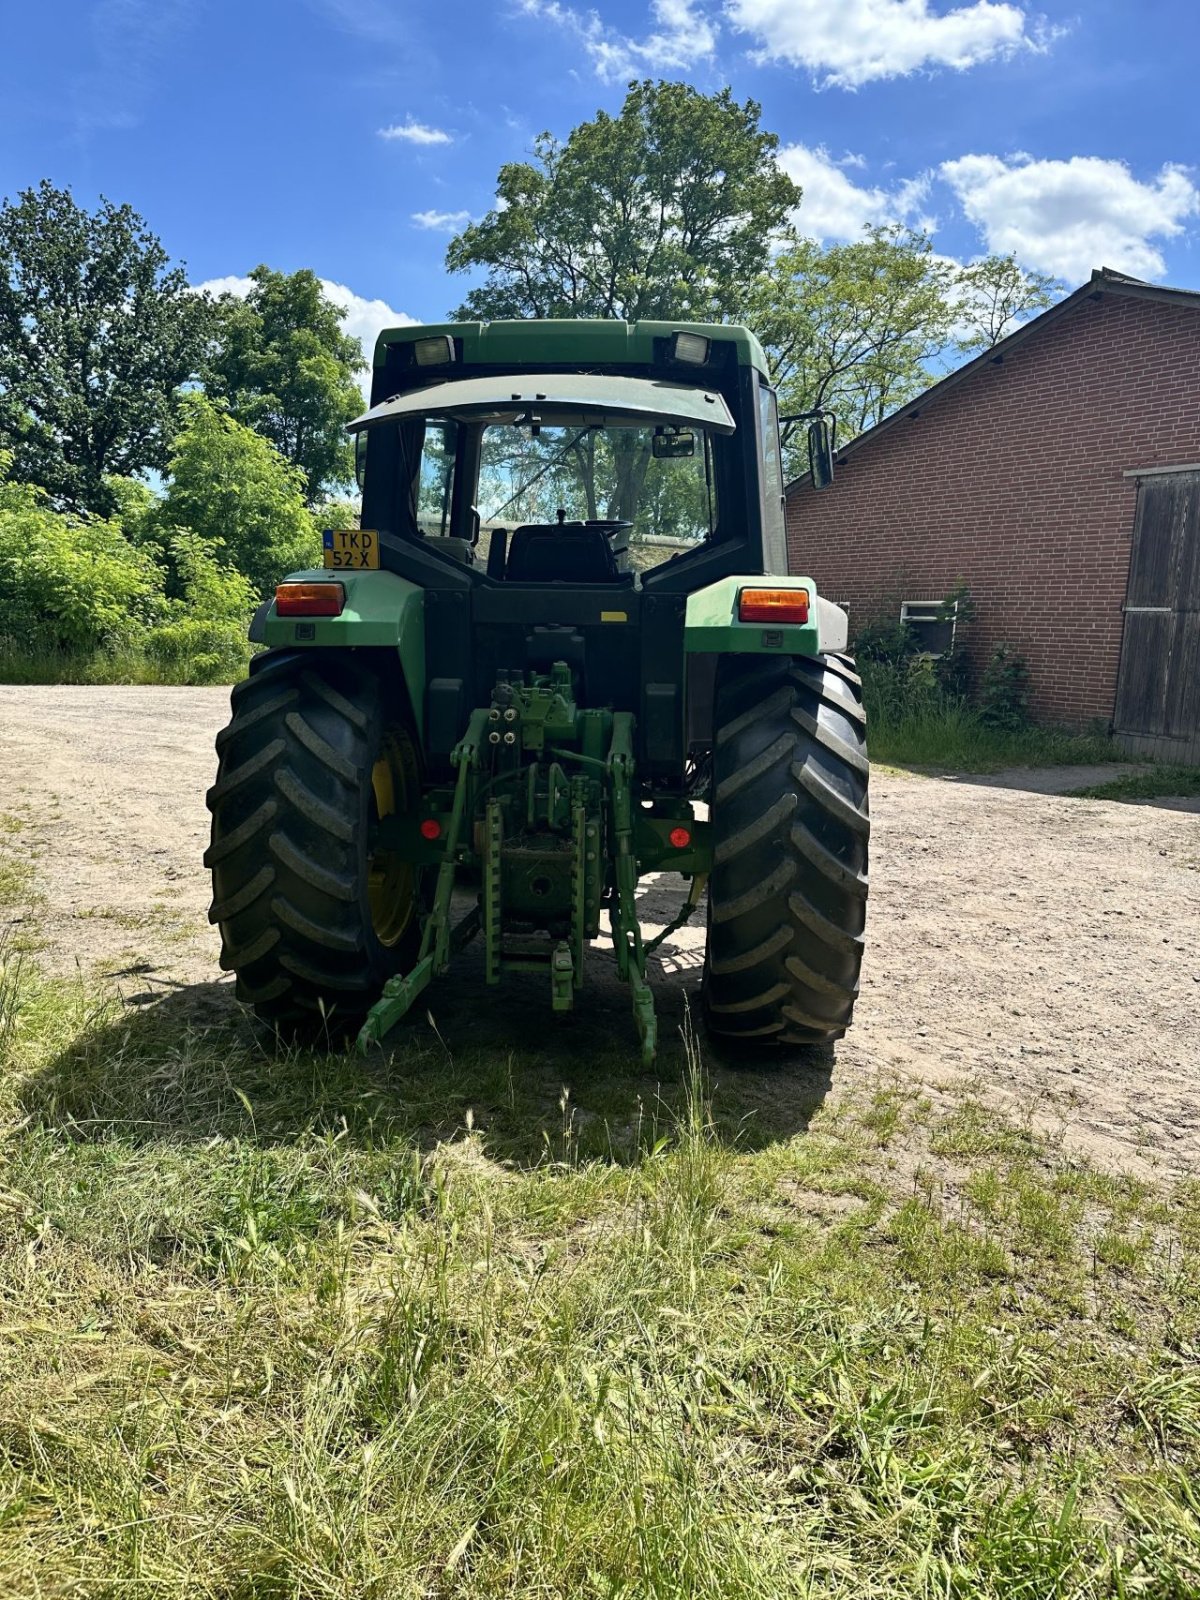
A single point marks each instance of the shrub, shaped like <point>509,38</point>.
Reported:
<point>71,584</point>
<point>192,650</point>
<point>1004,690</point>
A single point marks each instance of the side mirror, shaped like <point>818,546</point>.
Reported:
<point>820,452</point>
<point>360,457</point>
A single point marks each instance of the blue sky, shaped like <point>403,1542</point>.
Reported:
<point>353,136</point>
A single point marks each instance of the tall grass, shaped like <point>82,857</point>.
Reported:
<point>309,1326</point>
<point>912,720</point>
<point>165,659</point>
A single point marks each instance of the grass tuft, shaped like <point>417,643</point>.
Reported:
<point>1169,782</point>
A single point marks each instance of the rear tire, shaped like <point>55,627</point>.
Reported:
<point>313,920</point>
<point>788,892</point>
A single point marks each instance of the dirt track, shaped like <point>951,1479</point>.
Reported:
<point>1046,950</point>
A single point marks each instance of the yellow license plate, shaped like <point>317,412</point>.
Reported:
<point>351,548</point>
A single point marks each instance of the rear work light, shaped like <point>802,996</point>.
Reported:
<point>433,352</point>
<point>773,605</point>
<point>309,599</point>
<point>690,347</point>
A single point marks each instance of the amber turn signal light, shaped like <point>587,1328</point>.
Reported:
<point>773,605</point>
<point>309,599</point>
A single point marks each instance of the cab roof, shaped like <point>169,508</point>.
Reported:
<point>596,341</point>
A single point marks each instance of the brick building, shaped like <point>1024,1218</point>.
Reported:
<point>1058,475</point>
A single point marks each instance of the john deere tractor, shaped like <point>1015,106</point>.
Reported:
<point>562,652</point>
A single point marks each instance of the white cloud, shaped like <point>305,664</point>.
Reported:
<point>845,43</point>
<point>441,221</point>
<point>1066,217</point>
<point>683,36</point>
<point>415,133</point>
<point>364,319</point>
<point>835,208</point>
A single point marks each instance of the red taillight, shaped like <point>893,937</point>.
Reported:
<point>680,838</point>
<point>773,605</point>
<point>431,828</point>
<point>309,599</point>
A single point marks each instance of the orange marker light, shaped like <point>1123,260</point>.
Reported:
<point>773,605</point>
<point>680,838</point>
<point>431,828</point>
<point>310,599</point>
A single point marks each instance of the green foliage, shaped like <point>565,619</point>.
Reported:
<point>232,490</point>
<point>1158,783</point>
<point>995,294</point>
<point>852,327</point>
<point>282,365</point>
<point>1004,690</point>
<point>85,603</point>
<point>860,328</point>
<point>70,583</point>
<point>97,332</point>
<point>198,650</point>
<point>919,711</point>
<point>666,210</point>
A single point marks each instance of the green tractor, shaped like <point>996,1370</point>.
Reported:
<point>563,651</point>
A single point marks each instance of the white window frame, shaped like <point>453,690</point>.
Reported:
<point>927,611</point>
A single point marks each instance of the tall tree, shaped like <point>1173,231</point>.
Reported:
<point>232,489</point>
<point>282,365</point>
<point>97,332</point>
<point>853,327</point>
<point>667,209</point>
<point>993,296</point>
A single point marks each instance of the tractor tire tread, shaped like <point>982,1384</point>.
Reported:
<point>291,812</point>
<point>790,828</point>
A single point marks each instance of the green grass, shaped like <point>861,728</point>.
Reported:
<point>954,739</point>
<point>1159,782</point>
<point>308,1325</point>
<point>125,666</point>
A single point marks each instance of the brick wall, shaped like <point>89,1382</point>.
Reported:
<point>1012,481</point>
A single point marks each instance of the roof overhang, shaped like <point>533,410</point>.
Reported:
<point>557,399</point>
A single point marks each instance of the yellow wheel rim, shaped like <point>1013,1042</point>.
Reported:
<point>392,882</point>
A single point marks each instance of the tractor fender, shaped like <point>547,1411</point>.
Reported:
<point>381,609</point>
<point>712,624</point>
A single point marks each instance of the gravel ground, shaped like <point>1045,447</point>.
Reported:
<point>1043,950</point>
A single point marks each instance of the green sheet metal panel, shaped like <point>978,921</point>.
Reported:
<point>711,621</point>
<point>381,609</point>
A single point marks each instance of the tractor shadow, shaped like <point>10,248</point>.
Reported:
<point>187,1063</point>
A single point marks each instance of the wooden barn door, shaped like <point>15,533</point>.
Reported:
<point>1158,688</point>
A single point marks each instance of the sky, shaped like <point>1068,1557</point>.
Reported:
<point>356,136</point>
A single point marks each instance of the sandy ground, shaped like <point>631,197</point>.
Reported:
<point>1043,950</point>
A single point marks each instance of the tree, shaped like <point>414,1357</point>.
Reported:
<point>282,365</point>
<point>993,296</point>
<point>852,328</point>
<point>667,209</point>
<point>97,332</point>
<point>233,489</point>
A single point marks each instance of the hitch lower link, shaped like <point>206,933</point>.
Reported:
<point>441,940</point>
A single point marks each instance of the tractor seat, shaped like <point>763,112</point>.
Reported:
<point>567,552</point>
